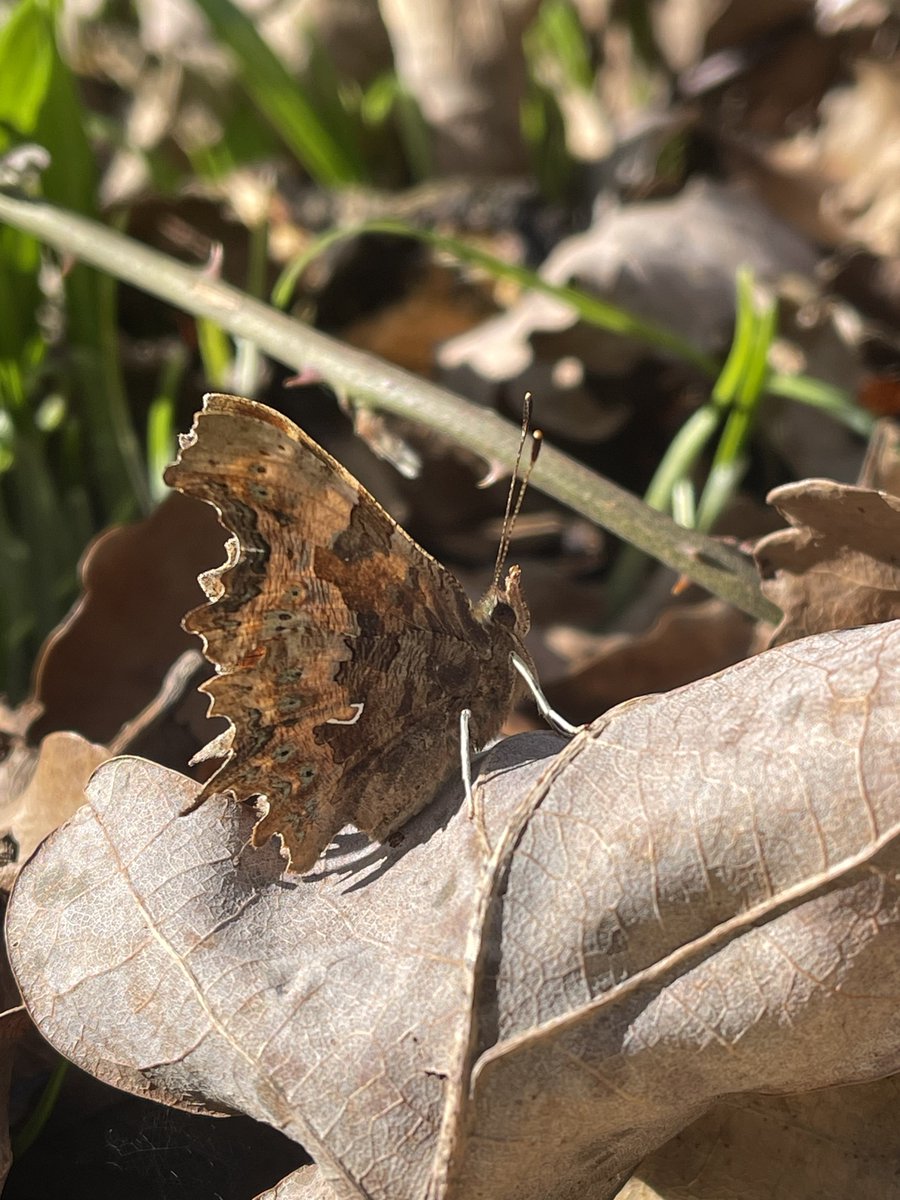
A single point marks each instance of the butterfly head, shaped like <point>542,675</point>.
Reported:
<point>504,615</point>
<point>504,607</point>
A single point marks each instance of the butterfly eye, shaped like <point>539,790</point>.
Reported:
<point>504,614</point>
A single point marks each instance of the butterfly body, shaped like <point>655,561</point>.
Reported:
<point>344,652</point>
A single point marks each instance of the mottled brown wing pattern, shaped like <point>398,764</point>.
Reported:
<point>344,652</point>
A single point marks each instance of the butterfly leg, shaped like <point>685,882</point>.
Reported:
<point>465,759</point>
<point>560,724</point>
<point>474,810</point>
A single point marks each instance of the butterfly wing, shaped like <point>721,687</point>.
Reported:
<point>343,651</point>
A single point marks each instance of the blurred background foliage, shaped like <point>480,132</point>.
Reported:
<point>142,111</point>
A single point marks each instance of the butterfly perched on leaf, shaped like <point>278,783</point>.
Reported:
<point>344,652</point>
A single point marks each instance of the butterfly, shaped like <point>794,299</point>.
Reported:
<point>344,652</point>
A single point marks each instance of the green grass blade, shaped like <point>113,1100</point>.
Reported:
<point>684,504</point>
<point>328,159</point>
<point>673,473</point>
<point>729,379</point>
<point>737,392</point>
<point>721,485</point>
<point>557,30</point>
<point>160,442</point>
<point>216,353</point>
<point>748,369</point>
<point>682,455</point>
<point>832,400</point>
<point>55,120</point>
<point>26,58</point>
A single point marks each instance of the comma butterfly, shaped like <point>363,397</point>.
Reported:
<point>344,652</point>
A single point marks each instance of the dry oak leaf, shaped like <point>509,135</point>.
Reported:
<point>18,759</point>
<point>306,1183</point>
<point>124,633</point>
<point>344,652</point>
<point>63,764</point>
<point>881,467</point>
<point>697,898</point>
<point>830,1144</point>
<point>839,566</point>
<point>684,643</point>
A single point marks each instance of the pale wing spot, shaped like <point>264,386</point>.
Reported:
<point>348,720</point>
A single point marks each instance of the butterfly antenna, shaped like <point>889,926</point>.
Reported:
<point>517,487</point>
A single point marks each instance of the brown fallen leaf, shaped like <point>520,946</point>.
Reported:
<point>125,632</point>
<point>824,1145</point>
<point>698,898</point>
<point>17,758</point>
<point>434,308</point>
<point>839,566</point>
<point>17,1034</point>
<point>64,764</point>
<point>683,644</point>
<point>305,1184</point>
<point>41,786</point>
<point>881,468</point>
<point>851,158</point>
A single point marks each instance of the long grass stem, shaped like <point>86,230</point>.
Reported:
<point>716,566</point>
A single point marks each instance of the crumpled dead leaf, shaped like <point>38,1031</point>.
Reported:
<point>40,786</point>
<point>305,1184</point>
<point>697,898</point>
<point>852,157</point>
<point>881,469</point>
<point>824,1145</point>
<point>125,632</point>
<point>683,644</point>
<point>17,758</point>
<point>64,764</point>
<point>839,564</point>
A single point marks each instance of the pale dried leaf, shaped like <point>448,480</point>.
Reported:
<point>65,762</point>
<point>835,16</point>
<point>697,898</point>
<point>683,644</point>
<point>854,154</point>
<point>881,468</point>
<point>125,631</point>
<point>306,1184</point>
<point>731,869</point>
<point>839,564</point>
<point>824,1145</point>
<point>192,920</point>
<point>18,760</point>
